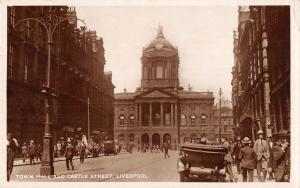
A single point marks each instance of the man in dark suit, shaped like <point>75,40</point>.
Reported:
<point>228,159</point>
<point>280,157</point>
<point>166,149</point>
<point>32,151</point>
<point>236,151</point>
<point>247,157</point>
<point>69,153</point>
<point>11,151</point>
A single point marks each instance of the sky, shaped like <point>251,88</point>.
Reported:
<point>202,34</point>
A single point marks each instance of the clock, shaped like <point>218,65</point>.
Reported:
<point>159,46</point>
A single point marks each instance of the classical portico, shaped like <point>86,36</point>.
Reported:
<point>152,114</point>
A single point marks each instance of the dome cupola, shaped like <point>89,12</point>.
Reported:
<point>160,64</point>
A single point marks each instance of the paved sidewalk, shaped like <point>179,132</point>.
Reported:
<point>19,161</point>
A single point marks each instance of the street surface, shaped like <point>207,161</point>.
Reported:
<point>125,167</point>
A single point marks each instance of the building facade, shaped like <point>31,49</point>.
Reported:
<point>77,76</point>
<point>224,122</point>
<point>260,94</point>
<point>160,109</point>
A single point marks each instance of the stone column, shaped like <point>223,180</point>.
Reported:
<point>280,113</point>
<point>161,114</point>
<point>172,115</point>
<point>140,114</point>
<point>136,119</point>
<point>150,114</point>
<point>176,121</point>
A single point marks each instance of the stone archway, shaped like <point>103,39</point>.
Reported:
<point>167,137</point>
<point>145,139</point>
<point>156,139</point>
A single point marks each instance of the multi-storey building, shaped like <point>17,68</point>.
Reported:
<point>160,110</point>
<point>261,90</point>
<point>77,73</point>
<point>224,122</point>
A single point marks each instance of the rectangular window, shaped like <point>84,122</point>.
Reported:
<point>26,63</point>
<point>10,67</point>
<point>28,34</point>
<point>41,36</point>
<point>159,70</point>
<point>192,121</point>
<point>131,122</point>
<point>12,16</point>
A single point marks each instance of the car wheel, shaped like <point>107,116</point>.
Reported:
<point>183,177</point>
<point>220,178</point>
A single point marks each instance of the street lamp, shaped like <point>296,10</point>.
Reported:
<point>220,120</point>
<point>49,22</point>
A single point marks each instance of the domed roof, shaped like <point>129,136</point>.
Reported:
<point>160,42</point>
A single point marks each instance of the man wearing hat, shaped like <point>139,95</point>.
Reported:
<point>270,145</point>
<point>31,151</point>
<point>280,157</point>
<point>228,159</point>
<point>261,149</point>
<point>247,157</point>
<point>69,154</point>
<point>236,151</point>
<point>11,151</point>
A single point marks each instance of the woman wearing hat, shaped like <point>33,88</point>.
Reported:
<point>261,149</point>
<point>247,157</point>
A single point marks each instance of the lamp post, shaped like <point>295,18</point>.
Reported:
<point>49,22</point>
<point>88,118</point>
<point>220,120</point>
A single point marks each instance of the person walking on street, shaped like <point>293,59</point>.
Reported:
<point>236,151</point>
<point>228,159</point>
<point>24,151</point>
<point>166,149</point>
<point>31,151</point>
<point>280,157</point>
<point>261,149</point>
<point>39,151</point>
<point>55,152</point>
<point>247,157</point>
<point>59,148</point>
<point>270,145</point>
<point>11,149</point>
<point>69,153</point>
<point>82,152</point>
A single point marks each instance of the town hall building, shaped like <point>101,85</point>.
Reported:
<point>160,109</point>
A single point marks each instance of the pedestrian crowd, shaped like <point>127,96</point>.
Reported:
<point>270,158</point>
<point>33,151</point>
<point>156,148</point>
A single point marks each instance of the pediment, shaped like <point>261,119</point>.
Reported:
<point>156,94</point>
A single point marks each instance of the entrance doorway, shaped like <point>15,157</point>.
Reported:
<point>156,139</point>
<point>145,139</point>
<point>167,137</point>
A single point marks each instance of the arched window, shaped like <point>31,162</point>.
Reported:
<point>121,137</point>
<point>131,120</point>
<point>182,119</point>
<point>159,70</point>
<point>203,118</point>
<point>122,120</point>
<point>193,119</point>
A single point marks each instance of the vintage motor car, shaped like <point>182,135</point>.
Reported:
<point>202,161</point>
<point>109,148</point>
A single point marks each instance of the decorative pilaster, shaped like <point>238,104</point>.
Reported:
<point>161,114</point>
